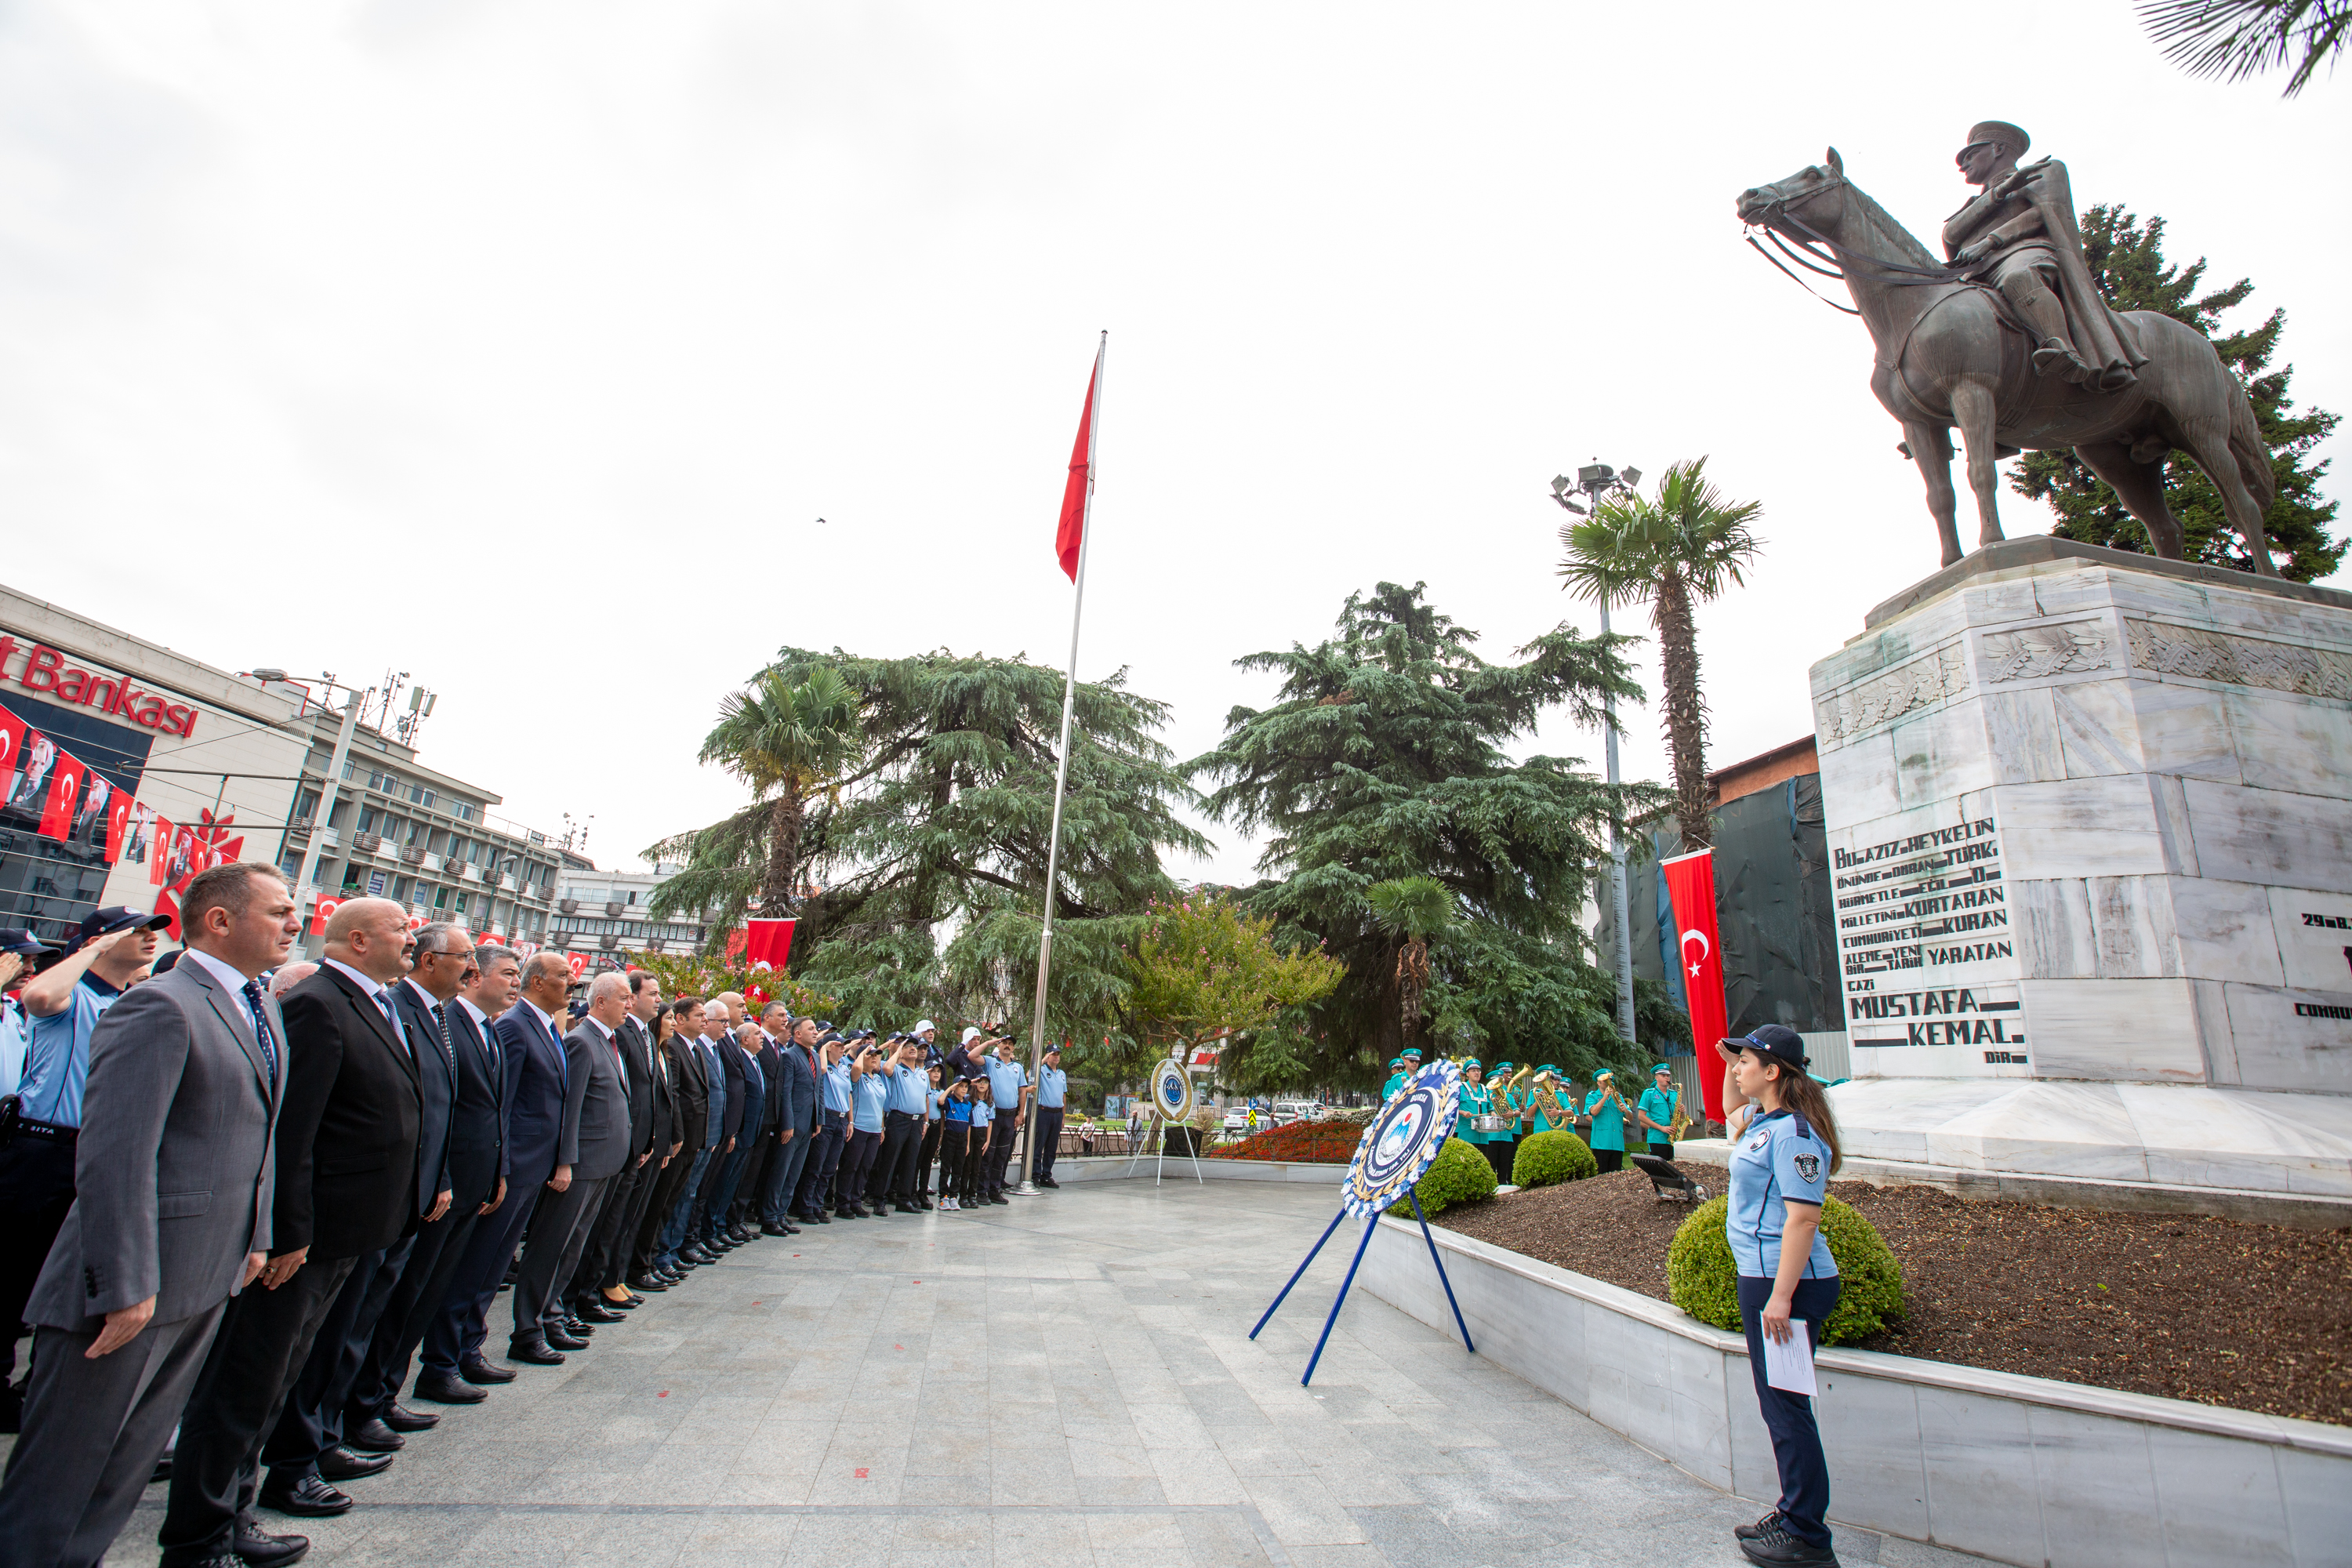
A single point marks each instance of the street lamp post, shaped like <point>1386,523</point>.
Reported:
<point>1592,481</point>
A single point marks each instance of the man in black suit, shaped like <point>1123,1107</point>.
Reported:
<point>186,1075</point>
<point>598,1294</point>
<point>453,1359</point>
<point>431,1002</point>
<point>591,1148</point>
<point>792,1084</point>
<point>346,1159</point>
<point>656,1258</point>
<point>311,1435</point>
<point>646,1009</point>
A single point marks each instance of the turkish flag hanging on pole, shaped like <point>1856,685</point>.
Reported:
<point>767,944</point>
<point>1690,883</point>
<point>1071,536</point>
<point>65,798</point>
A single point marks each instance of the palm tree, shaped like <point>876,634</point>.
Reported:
<point>1686,547</point>
<point>783,740</point>
<point>2234,39</point>
<point>1411,909</point>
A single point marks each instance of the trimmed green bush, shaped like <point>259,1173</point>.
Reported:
<point>1701,1281</point>
<point>1550,1157</point>
<point>1460,1175</point>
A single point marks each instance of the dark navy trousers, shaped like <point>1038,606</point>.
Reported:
<point>1796,1440</point>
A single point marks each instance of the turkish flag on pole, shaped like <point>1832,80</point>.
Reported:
<point>65,798</point>
<point>767,944</point>
<point>117,823</point>
<point>159,853</point>
<point>1070,538</point>
<point>1690,883</point>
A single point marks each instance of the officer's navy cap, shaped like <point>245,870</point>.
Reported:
<point>1778,1042</point>
<point>15,939</point>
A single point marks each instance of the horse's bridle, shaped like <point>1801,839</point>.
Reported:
<point>1841,262</point>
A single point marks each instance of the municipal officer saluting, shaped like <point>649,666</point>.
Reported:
<point>1780,1173</point>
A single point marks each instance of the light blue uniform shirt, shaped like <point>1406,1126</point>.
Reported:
<point>983,1113</point>
<point>1005,1081</point>
<point>837,1095</point>
<point>1051,1083</point>
<point>871,1093</point>
<point>906,1088</point>
<point>57,1054</point>
<point>12,1044</point>
<point>1778,1159</point>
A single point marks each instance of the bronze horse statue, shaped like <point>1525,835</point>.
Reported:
<point>1947,358</point>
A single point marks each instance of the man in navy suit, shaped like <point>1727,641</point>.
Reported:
<point>434,1004</point>
<point>591,1148</point>
<point>796,1129</point>
<point>530,1053</point>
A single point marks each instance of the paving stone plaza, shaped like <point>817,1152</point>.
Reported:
<point>1063,1382</point>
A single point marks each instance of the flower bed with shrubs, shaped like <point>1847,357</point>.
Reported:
<point>1325,1142</point>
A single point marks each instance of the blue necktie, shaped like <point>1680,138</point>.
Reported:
<point>562,1067</point>
<point>383,1000</point>
<point>261,1030</point>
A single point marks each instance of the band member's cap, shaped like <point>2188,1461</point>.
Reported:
<point>1604,1072</point>
<point>1469,1062</point>
<point>1413,1051</point>
<point>1395,1062</point>
<point>1661,1068</point>
<point>1505,1067</point>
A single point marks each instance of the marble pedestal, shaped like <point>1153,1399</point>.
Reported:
<point>2090,822</point>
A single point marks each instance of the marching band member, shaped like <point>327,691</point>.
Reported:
<point>1656,1110</point>
<point>1478,1101</point>
<point>1608,1113</point>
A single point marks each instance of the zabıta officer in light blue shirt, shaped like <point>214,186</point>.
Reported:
<point>1780,1173</point>
<point>1053,1083</point>
<point>1008,1088</point>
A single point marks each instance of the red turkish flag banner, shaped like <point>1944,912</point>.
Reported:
<point>579,962</point>
<point>320,916</point>
<point>66,781</point>
<point>12,739</point>
<point>1690,883</point>
<point>117,824</point>
<point>159,853</point>
<point>1070,537</point>
<point>767,944</point>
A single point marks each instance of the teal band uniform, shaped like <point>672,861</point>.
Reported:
<point>1608,1123</point>
<point>1660,1109</point>
<point>1476,1101</point>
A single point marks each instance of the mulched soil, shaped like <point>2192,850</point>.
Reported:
<point>2255,1317</point>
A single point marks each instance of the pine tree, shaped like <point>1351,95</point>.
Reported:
<point>1382,758</point>
<point>2126,256</point>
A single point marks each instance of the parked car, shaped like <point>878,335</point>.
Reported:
<point>1290,1110</point>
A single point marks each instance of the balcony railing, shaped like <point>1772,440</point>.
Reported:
<point>370,842</point>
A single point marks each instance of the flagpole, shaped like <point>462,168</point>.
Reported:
<point>1062,770</point>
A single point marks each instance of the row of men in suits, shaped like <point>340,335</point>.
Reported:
<point>278,1199</point>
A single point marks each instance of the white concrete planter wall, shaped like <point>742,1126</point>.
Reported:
<point>2021,1469</point>
<point>1176,1168</point>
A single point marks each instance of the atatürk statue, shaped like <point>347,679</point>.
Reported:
<point>2014,344</point>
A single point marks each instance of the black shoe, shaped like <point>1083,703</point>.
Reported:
<point>594,1312</point>
<point>673,1274</point>
<point>402,1419</point>
<point>477,1369</point>
<point>1751,1532</point>
<point>443,1389</point>
<point>374,1436</point>
<point>821,1217</point>
<point>648,1281</point>
<point>578,1327</point>
<point>1005,1201</point>
<point>338,1465</point>
<point>505,1286</point>
<point>308,1497</point>
<point>558,1337</point>
<point>1776,1548</point>
<point>1047,1182</point>
<point>771,1228</point>
<point>925,1204</point>
<point>743,1237</point>
<point>256,1547</point>
<point>533,1352</point>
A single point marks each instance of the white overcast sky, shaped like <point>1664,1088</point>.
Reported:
<point>521,346</point>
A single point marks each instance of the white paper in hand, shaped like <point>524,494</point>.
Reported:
<point>1789,1364</point>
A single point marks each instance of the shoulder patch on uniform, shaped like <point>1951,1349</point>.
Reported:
<point>1803,1127</point>
<point>1809,1166</point>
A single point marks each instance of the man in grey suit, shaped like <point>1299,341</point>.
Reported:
<point>171,1218</point>
<point>590,1148</point>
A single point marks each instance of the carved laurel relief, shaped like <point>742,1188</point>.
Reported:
<point>2045,650</point>
<point>2235,660</point>
<point>1931,678</point>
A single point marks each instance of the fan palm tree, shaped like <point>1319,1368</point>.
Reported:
<point>1685,548</point>
<point>784,739</point>
<point>1411,909</point>
<point>2234,39</point>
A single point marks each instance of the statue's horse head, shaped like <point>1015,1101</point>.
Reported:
<point>1814,194</point>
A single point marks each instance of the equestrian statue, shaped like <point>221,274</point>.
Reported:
<point>2010,342</point>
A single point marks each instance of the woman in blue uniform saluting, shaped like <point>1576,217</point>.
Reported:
<point>1780,1171</point>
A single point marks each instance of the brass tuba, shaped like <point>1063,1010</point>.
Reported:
<point>1558,1110</point>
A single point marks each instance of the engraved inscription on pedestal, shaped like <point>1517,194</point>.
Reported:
<point>1924,945</point>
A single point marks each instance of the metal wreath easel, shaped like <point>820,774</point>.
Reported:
<point>1160,1131</point>
<point>1371,1224</point>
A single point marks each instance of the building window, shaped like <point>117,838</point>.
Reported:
<point>307,807</point>
<point>367,819</point>
<point>400,891</point>
<point>464,811</point>
<point>440,898</point>
<point>462,897</point>
<point>350,767</point>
